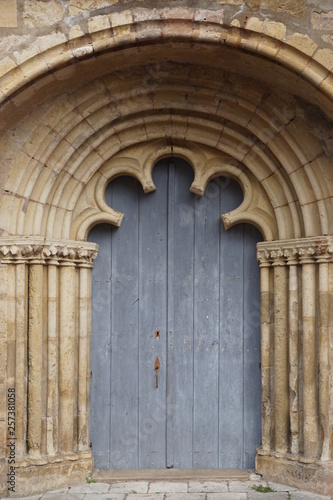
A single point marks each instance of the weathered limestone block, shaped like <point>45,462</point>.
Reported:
<point>3,477</point>
<point>322,21</point>
<point>325,57</point>
<point>327,38</point>
<point>81,6</point>
<point>271,28</point>
<point>57,472</point>
<point>75,31</point>
<point>312,477</point>
<point>231,2</point>
<point>98,23</point>
<point>8,14</point>
<point>42,13</point>
<point>6,65</point>
<point>303,43</point>
<point>292,7</point>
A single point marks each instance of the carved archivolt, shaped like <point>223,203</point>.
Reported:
<point>106,117</point>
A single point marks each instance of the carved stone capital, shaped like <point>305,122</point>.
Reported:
<point>313,250</point>
<point>35,250</point>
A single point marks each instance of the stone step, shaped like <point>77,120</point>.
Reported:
<point>105,475</point>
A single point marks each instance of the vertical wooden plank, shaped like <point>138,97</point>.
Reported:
<point>153,299</point>
<point>100,356</point>
<point>251,329</point>
<point>231,390</point>
<point>183,341</point>
<point>170,395</point>
<point>124,325</point>
<point>206,320</point>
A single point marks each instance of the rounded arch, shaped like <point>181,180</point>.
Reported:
<point>233,121</point>
<point>160,28</point>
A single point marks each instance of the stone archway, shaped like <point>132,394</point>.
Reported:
<point>63,154</point>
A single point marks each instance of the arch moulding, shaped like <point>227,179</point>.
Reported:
<point>54,194</point>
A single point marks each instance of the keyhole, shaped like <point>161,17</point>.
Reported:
<point>158,334</point>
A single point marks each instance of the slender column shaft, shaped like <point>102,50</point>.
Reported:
<point>265,358</point>
<point>88,378</point>
<point>67,357</point>
<point>281,393</point>
<point>293,357</point>
<point>309,356</point>
<point>3,358</point>
<point>324,396</point>
<point>11,318</point>
<point>21,359</point>
<point>35,359</point>
<point>330,352</point>
<point>53,360</point>
<point>84,332</point>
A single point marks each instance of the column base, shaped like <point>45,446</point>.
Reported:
<point>316,477</point>
<point>42,474</point>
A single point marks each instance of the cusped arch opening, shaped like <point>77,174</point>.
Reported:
<point>225,190</point>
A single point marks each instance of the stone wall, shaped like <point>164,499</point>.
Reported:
<point>94,89</point>
<point>29,27</point>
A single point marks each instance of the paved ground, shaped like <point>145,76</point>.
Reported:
<point>178,490</point>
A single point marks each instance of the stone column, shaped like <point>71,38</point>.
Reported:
<point>3,374</point>
<point>281,390</point>
<point>324,361</point>
<point>45,294</point>
<point>293,351</point>
<point>84,356</point>
<point>330,349</point>
<point>310,387</point>
<point>11,313</point>
<point>35,358</point>
<point>303,346</point>
<point>67,353</point>
<point>52,356</point>
<point>21,357</point>
<point>265,312</point>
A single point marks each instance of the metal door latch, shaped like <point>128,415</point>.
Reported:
<point>157,366</point>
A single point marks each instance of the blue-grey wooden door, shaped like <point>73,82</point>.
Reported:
<point>171,283</point>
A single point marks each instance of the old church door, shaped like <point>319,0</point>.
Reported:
<point>172,289</point>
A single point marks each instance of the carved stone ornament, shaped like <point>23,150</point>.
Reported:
<point>39,250</point>
<point>293,252</point>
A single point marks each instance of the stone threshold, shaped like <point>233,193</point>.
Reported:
<point>109,475</point>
